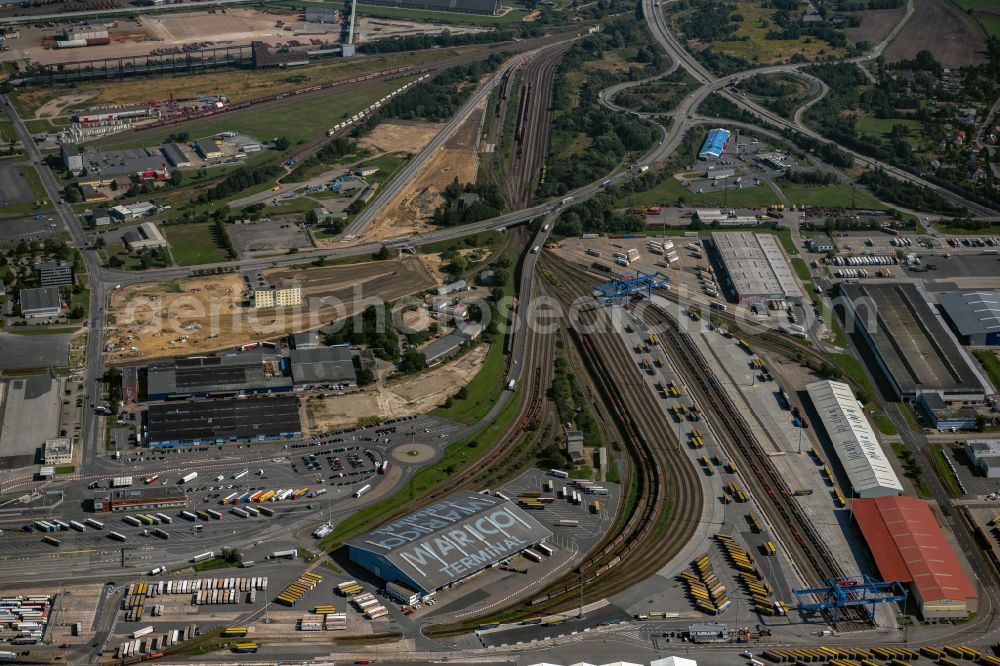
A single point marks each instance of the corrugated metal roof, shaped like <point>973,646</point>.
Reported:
<point>714,144</point>
<point>972,312</point>
<point>910,546</point>
<point>853,439</point>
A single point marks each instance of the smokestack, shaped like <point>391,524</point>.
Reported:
<point>350,31</point>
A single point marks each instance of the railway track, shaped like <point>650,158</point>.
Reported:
<point>531,132</point>
<point>669,490</point>
<point>817,563</point>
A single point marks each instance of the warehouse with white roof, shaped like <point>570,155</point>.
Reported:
<point>853,440</point>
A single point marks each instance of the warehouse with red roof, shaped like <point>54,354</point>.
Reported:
<point>909,546</point>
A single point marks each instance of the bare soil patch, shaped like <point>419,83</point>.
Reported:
<point>57,106</point>
<point>943,29</point>
<point>156,320</point>
<point>401,136</point>
<point>409,211</point>
<point>416,395</point>
<point>875,24</point>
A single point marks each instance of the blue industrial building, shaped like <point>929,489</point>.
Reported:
<point>447,542</point>
<point>218,422</point>
<point>714,144</point>
<point>237,373</point>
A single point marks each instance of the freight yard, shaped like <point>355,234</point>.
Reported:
<point>400,337</point>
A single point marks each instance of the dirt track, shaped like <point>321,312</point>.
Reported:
<point>944,30</point>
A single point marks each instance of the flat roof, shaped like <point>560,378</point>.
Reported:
<point>453,538</point>
<point>756,264</point>
<point>714,143</point>
<point>853,439</point>
<point>229,373</point>
<point>910,547</point>
<point>911,339</point>
<point>323,365</point>
<point>134,494</point>
<point>223,419</point>
<point>972,312</point>
<point>42,298</point>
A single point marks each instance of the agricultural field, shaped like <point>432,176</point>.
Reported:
<point>945,30</point>
<point>876,24</point>
<point>237,85</point>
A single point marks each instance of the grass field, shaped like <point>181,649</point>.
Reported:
<point>884,424</point>
<point>671,191</point>
<point>991,364</point>
<point>853,368</point>
<point>975,4</point>
<point>750,39</point>
<point>829,196</point>
<point>237,85</point>
<point>297,119</point>
<point>943,470</point>
<point>802,269</point>
<point>911,469</point>
<point>990,25</point>
<point>515,14</point>
<point>193,244</point>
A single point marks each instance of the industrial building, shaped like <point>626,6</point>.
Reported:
<point>719,173</point>
<point>264,57</point>
<point>101,216</point>
<point>708,632</point>
<point>277,295</point>
<point>58,451</point>
<point>106,114</point>
<point>138,499</point>
<point>132,211</point>
<point>221,421</point>
<point>910,342</point>
<point>305,340</point>
<point>491,7</point>
<point>208,149</point>
<point>237,373</point>
<point>715,143</point>
<point>753,267</point>
<point>942,415</point>
<point>447,542</point>
<point>322,367</point>
<point>144,237</point>
<point>40,303</point>
<point>909,546</point>
<point>984,454</point>
<point>974,316</point>
<point>103,167</point>
<point>175,156</point>
<point>853,440</point>
<point>54,273</point>
<point>441,349</point>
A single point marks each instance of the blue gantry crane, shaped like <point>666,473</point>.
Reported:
<point>851,592</point>
<point>625,285</point>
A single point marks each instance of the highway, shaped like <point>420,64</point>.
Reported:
<point>357,228</point>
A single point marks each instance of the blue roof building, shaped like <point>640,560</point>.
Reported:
<point>714,144</point>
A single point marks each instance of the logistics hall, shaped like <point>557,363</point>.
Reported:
<point>447,542</point>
